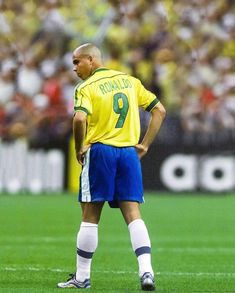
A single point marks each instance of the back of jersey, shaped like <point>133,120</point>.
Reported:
<point>112,99</point>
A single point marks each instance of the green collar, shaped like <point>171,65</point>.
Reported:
<point>100,69</point>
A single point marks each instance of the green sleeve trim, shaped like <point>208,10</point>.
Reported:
<point>151,105</point>
<point>81,109</point>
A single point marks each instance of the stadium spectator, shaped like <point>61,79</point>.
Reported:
<point>29,79</point>
<point>7,81</point>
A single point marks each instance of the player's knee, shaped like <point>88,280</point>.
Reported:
<point>91,212</point>
<point>90,218</point>
<point>131,217</point>
<point>130,211</point>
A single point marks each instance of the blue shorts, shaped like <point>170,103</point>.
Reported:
<point>111,174</point>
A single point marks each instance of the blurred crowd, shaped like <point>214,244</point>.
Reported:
<point>183,51</point>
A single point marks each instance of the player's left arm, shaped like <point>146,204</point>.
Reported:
<point>82,108</point>
<point>79,133</point>
<point>158,114</point>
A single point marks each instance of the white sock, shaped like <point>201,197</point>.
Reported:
<point>141,245</point>
<point>87,241</point>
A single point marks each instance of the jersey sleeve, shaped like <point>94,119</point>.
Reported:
<point>82,101</point>
<point>146,99</point>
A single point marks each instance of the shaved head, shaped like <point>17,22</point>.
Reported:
<point>88,49</point>
<point>86,59</point>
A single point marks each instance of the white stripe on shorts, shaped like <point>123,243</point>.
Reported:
<point>85,184</point>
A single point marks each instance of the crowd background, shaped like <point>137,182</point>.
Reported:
<point>183,51</point>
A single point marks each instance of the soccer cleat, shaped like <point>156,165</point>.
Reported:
<point>147,282</point>
<point>73,283</point>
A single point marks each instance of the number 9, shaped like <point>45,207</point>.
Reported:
<point>121,107</point>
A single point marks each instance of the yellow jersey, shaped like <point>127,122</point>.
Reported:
<point>111,100</point>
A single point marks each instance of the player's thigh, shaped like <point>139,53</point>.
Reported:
<point>91,211</point>
<point>130,211</point>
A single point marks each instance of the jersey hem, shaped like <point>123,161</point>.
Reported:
<point>114,145</point>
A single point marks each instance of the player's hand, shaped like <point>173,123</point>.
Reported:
<point>82,153</point>
<point>141,150</point>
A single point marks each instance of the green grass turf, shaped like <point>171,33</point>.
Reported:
<point>193,244</point>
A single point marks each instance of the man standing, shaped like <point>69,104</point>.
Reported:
<point>106,128</point>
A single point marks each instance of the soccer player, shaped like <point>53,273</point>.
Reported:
<point>106,128</point>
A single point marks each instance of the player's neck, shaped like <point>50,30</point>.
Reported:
<point>96,67</point>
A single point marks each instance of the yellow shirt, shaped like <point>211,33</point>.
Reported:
<point>111,100</point>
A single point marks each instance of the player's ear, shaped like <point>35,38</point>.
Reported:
<point>90,58</point>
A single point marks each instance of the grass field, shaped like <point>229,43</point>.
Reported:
<point>193,244</point>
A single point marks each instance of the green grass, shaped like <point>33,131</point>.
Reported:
<point>193,244</point>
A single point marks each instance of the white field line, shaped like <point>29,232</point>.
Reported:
<point>193,250</point>
<point>196,249</point>
<point>172,239</point>
<point>189,274</point>
<point>43,239</point>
